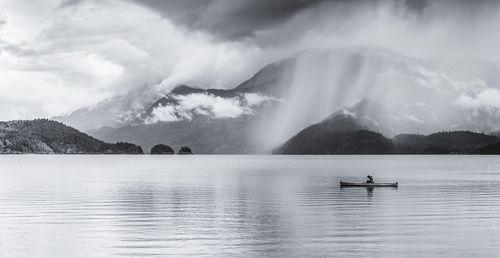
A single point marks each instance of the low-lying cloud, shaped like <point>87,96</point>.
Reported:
<point>483,99</point>
<point>207,105</point>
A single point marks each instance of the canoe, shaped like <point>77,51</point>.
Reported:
<point>347,184</point>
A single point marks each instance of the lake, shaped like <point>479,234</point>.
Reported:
<point>286,206</point>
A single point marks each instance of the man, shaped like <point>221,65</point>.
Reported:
<point>370,180</point>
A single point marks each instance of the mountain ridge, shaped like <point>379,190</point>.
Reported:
<point>387,92</point>
<point>342,134</point>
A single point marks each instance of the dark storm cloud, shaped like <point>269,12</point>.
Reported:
<point>108,46</point>
<point>69,3</point>
<point>236,19</point>
<point>230,19</point>
<point>415,5</point>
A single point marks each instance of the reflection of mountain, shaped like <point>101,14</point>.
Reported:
<point>46,136</point>
<point>384,91</point>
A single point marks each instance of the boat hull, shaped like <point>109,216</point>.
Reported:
<point>347,184</point>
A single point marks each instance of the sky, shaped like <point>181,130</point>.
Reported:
<point>57,56</point>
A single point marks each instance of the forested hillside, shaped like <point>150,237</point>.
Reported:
<point>342,134</point>
<point>51,137</point>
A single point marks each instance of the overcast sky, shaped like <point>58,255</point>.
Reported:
<point>57,56</point>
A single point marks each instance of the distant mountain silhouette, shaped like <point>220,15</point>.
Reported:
<point>44,136</point>
<point>342,134</point>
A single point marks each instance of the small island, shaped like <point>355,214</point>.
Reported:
<point>185,150</point>
<point>162,149</point>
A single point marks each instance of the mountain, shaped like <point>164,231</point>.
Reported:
<point>44,136</point>
<point>338,134</point>
<point>137,106</point>
<point>385,91</point>
<point>119,110</point>
<point>342,134</point>
<point>210,121</point>
<point>203,135</point>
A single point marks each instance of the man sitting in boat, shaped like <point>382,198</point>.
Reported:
<point>370,180</point>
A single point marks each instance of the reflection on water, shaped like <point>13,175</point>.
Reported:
<point>369,192</point>
<point>248,206</point>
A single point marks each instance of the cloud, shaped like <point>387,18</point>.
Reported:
<point>229,19</point>
<point>108,48</point>
<point>53,55</point>
<point>163,114</point>
<point>267,22</point>
<point>69,3</point>
<point>485,98</point>
<point>207,105</point>
<point>103,48</point>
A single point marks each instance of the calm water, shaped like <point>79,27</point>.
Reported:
<point>62,206</point>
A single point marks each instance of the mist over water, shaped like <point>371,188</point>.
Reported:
<point>248,206</point>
